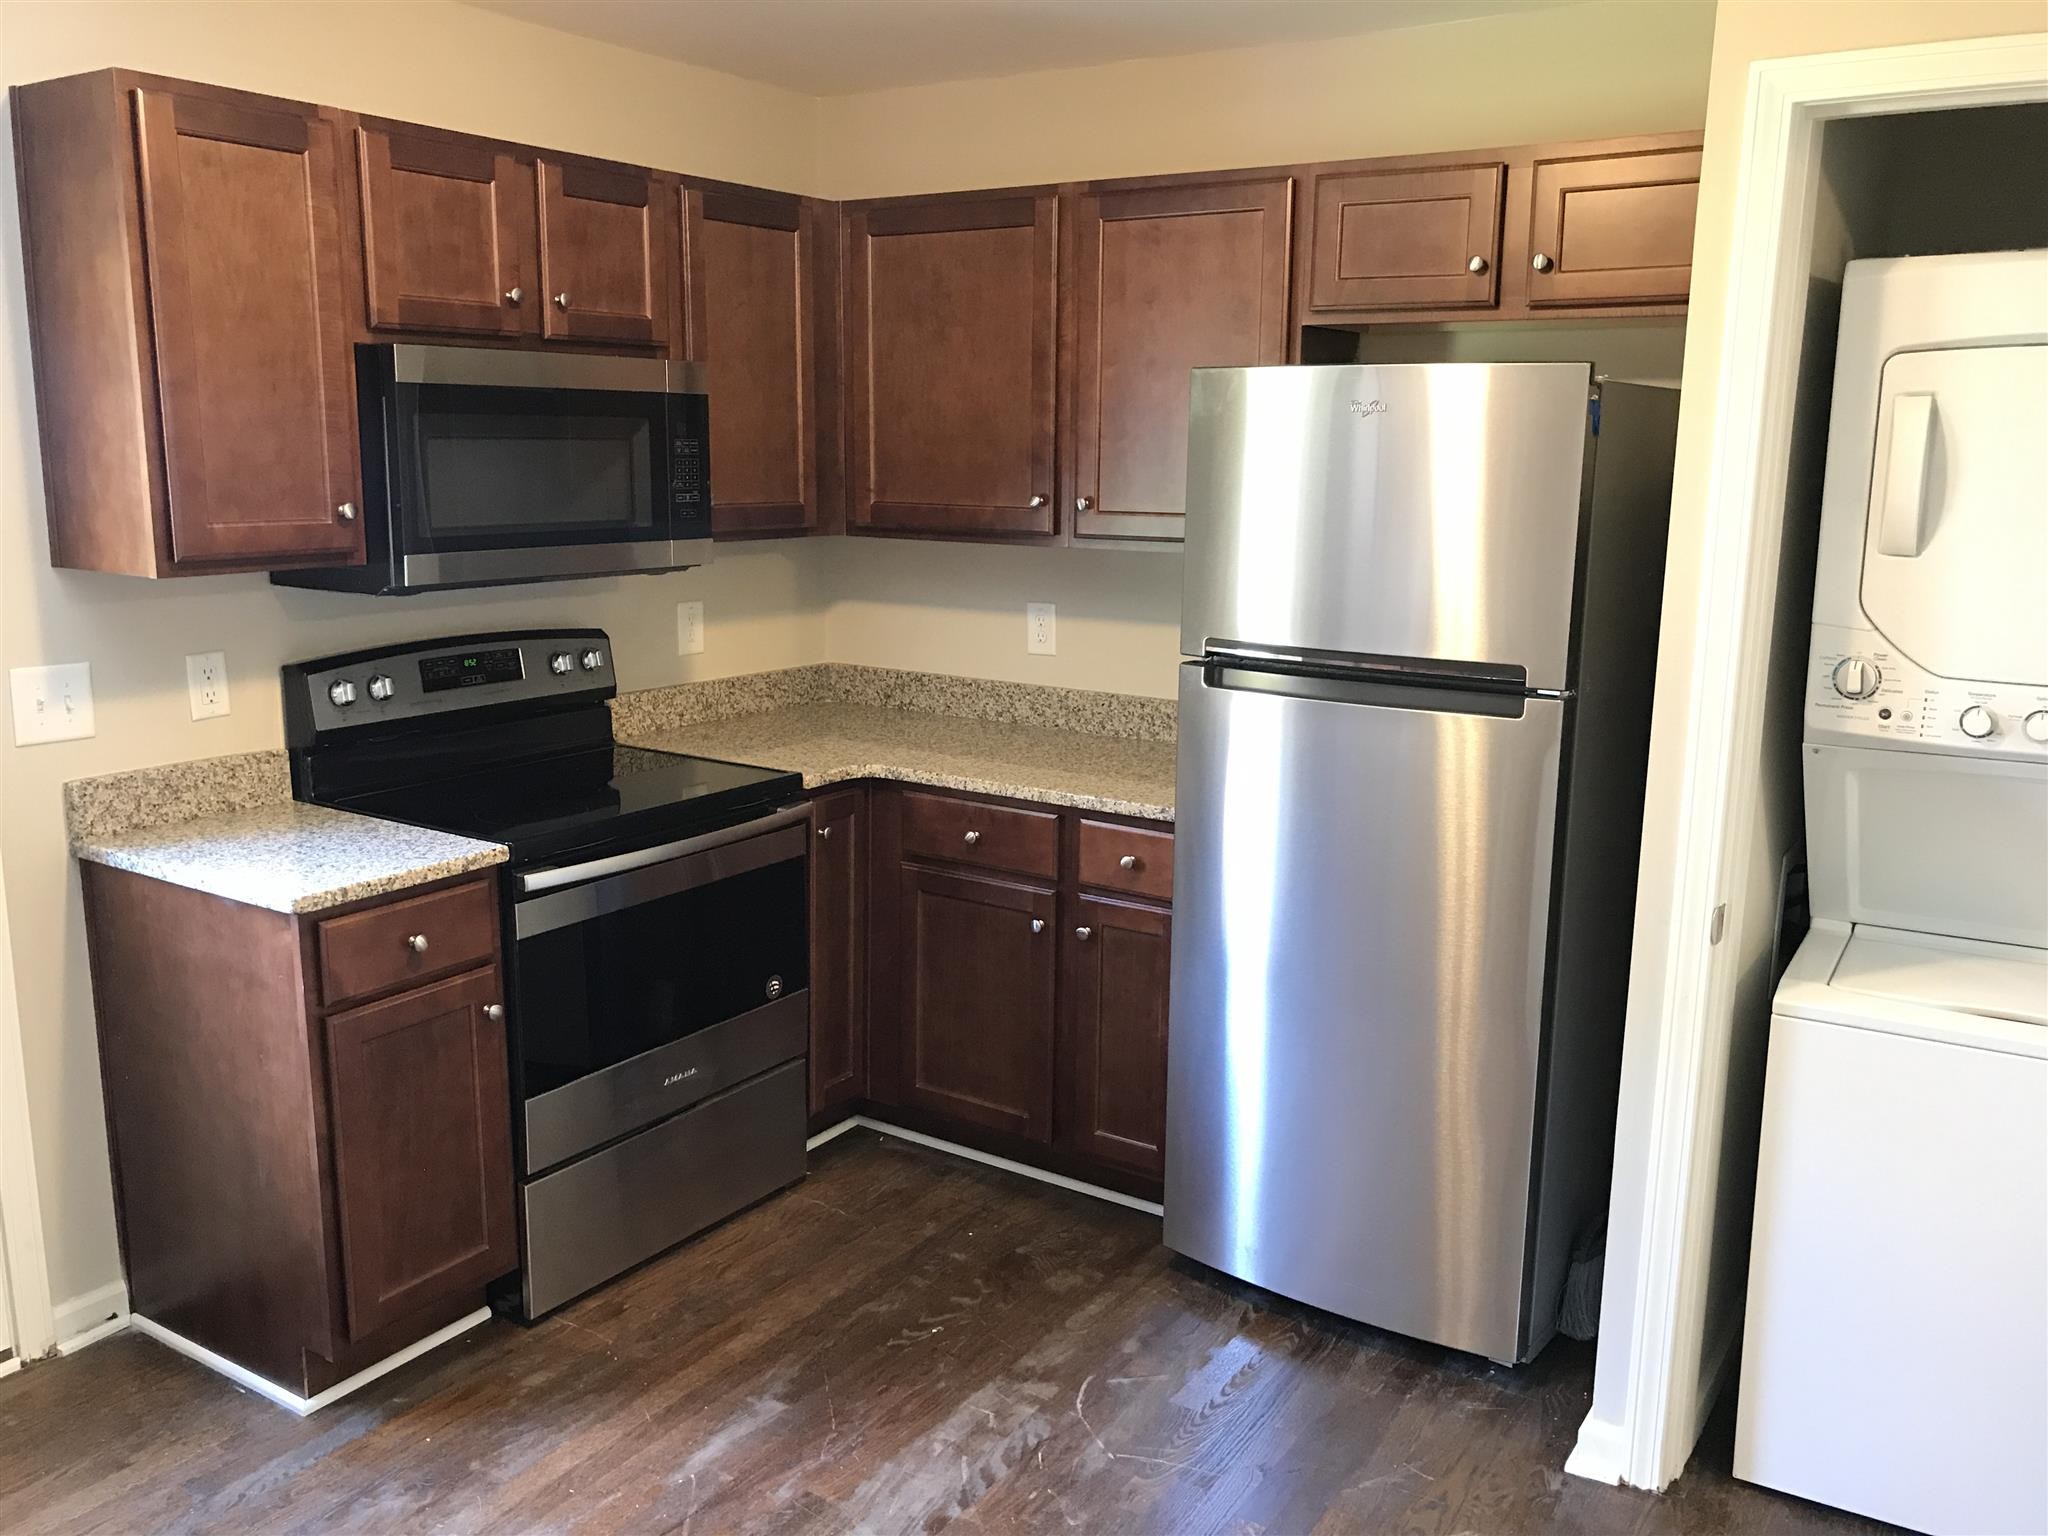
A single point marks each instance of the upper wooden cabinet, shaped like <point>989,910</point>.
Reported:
<point>449,239</point>
<point>1425,238</point>
<point>951,334</point>
<point>754,292</point>
<point>1161,280</point>
<point>606,238</point>
<point>1613,229</point>
<point>194,385</point>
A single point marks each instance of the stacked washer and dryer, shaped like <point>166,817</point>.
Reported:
<point>1895,1358</point>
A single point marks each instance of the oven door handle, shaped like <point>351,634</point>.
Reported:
<point>596,869</point>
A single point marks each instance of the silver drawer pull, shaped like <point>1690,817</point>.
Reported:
<point>972,838</point>
<point>1128,861</point>
<point>346,511</point>
<point>514,295</point>
<point>561,301</point>
<point>495,1012</point>
<point>1084,934</point>
<point>825,832</point>
<point>1037,501</point>
<point>416,942</point>
<point>1541,262</point>
<point>1038,925</point>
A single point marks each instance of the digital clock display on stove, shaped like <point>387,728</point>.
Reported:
<point>470,669</point>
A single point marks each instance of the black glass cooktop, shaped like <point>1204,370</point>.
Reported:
<point>588,802</point>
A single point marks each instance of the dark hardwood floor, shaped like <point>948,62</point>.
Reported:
<point>905,1342</point>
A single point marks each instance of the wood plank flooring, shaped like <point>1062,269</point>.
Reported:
<point>903,1343</point>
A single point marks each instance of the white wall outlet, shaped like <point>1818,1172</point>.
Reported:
<point>1041,636</point>
<point>689,628</point>
<point>52,703</point>
<point>206,679</point>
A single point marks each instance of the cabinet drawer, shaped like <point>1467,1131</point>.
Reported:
<point>1115,858</point>
<point>406,941</point>
<point>974,832</point>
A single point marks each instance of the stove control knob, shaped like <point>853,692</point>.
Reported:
<point>342,692</point>
<point>381,687</point>
<point>1856,678</point>
<point>2036,726</point>
<point>592,659</point>
<point>560,663</point>
<point>1977,722</point>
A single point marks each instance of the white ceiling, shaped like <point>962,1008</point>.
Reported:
<point>836,47</point>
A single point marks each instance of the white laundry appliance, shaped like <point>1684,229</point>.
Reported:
<point>1895,1353</point>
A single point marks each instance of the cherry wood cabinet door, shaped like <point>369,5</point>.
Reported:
<point>448,233</point>
<point>1613,229</point>
<point>1163,280</point>
<point>839,1036</point>
<point>255,379</point>
<point>420,1114</point>
<point>951,342</point>
<point>605,234</point>
<point>978,957</point>
<point>1407,239</point>
<point>751,320</point>
<point>1113,1055</point>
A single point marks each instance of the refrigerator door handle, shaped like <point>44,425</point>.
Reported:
<point>1373,693</point>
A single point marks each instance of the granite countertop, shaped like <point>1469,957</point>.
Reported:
<point>288,857</point>
<point>831,743</point>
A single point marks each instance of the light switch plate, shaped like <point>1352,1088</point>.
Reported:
<point>689,628</point>
<point>1041,636</point>
<point>52,703</point>
<point>206,679</point>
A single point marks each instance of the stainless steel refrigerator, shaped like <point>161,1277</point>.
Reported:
<point>1421,612</point>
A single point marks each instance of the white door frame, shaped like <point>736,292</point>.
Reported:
<point>27,1277</point>
<point>1789,102</point>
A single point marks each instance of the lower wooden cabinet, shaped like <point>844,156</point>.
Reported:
<point>839,940</point>
<point>1113,1045</point>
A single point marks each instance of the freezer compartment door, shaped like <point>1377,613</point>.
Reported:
<point>1361,916</point>
<point>1423,511</point>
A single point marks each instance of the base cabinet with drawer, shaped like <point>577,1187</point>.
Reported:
<point>308,1115</point>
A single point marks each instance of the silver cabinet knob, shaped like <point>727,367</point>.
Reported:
<point>1476,265</point>
<point>346,511</point>
<point>561,301</point>
<point>1038,925</point>
<point>971,838</point>
<point>1541,262</point>
<point>416,942</point>
<point>1128,861</point>
<point>1084,934</point>
<point>1037,501</point>
<point>495,1012</point>
<point>1083,503</point>
<point>514,295</point>
<point>824,832</point>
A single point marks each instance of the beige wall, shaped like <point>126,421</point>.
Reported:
<point>1745,31</point>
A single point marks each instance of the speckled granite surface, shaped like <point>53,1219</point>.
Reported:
<point>834,743</point>
<point>289,857</point>
<point>115,803</point>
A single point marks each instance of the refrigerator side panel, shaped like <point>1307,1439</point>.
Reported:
<point>1414,511</point>
<point>1361,934</point>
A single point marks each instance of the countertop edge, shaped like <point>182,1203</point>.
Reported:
<point>1073,800</point>
<point>155,865</point>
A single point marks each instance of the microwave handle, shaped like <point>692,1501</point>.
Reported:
<point>618,863</point>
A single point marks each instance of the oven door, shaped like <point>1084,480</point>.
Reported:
<point>513,466</point>
<point>647,981</point>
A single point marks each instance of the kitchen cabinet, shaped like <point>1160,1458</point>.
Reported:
<point>839,933</point>
<point>1409,238</point>
<point>311,1141</point>
<point>951,337</point>
<point>1612,229</point>
<point>449,236</point>
<point>1113,1048</point>
<point>194,383</point>
<point>758,314</point>
<point>606,243</point>
<point>1162,278</point>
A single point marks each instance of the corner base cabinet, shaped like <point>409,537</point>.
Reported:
<point>309,1119</point>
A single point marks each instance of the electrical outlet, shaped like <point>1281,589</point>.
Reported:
<point>206,679</point>
<point>52,703</point>
<point>689,628</point>
<point>1041,638</point>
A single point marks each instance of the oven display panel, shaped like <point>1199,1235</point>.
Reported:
<point>471,669</point>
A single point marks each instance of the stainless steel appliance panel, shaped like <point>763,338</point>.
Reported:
<point>1361,926</point>
<point>585,1223</point>
<point>1425,511</point>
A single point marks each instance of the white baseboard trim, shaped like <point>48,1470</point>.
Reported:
<point>241,1375</point>
<point>98,1314</point>
<point>1601,1453</point>
<point>938,1144</point>
<point>10,1365</point>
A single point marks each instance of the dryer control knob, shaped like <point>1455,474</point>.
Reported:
<point>2036,726</point>
<point>1856,678</point>
<point>1977,722</point>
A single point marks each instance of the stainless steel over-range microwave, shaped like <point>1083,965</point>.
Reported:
<point>483,466</point>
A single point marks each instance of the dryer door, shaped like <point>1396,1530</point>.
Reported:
<point>1956,543</point>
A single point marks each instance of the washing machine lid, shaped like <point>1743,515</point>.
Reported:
<point>1955,991</point>
<point>1956,538</point>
